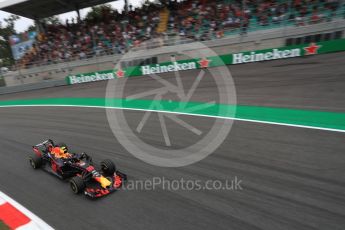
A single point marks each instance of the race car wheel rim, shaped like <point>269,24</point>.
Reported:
<point>104,167</point>
<point>32,163</point>
<point>74,187</point>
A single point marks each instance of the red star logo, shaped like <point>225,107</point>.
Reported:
<point>312,49</point>
<point>120,73</point>
<point>204,63</point>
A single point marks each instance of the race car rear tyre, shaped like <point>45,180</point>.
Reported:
<point>108,167</point>
<point>77,185</point>
<point>35,161</point>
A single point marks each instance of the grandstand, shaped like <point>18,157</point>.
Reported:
<point>95,44</point>
<point>200,20</point>
<point>36,9</point>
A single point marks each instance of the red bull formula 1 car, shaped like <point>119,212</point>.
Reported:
<point>84,176</point>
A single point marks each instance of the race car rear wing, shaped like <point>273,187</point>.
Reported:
<point>45,144</point>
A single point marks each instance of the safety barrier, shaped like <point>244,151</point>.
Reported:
<point>205,62</point>
<point>29,87</point>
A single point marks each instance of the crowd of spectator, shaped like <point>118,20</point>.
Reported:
<point>208,19</point>
<point>115,32</point>
<point>112,33</point>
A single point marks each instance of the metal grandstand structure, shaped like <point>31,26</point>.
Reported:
<point>38,9</point>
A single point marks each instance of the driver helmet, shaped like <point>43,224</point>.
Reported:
<point>64,150</point>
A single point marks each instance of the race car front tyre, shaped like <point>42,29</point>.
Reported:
<point>35,161</point>
<point>108,167</point>
<point>77,185</point>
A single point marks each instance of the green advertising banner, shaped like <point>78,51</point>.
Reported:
<point>207,62</point>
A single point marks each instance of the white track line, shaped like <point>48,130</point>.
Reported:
<point>186,114</point>
<point>36,223</point>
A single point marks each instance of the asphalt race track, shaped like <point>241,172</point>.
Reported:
<point>292,178</point>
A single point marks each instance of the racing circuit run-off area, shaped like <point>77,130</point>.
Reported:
<point>191,114</point>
